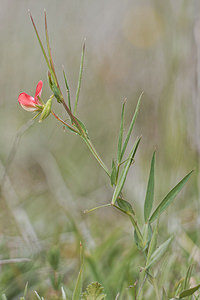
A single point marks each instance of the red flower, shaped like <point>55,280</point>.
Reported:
<point>28,102</point>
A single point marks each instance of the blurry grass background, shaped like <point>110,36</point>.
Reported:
<point>131,46</point>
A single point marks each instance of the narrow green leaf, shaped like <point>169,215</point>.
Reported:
<point>125,206</point>
<point>147,234</point>
<point>158,253</point>
<point>189,292</point>
<point>78,286</point>
<point>178,287</point>
<point>169,198</point>
<point>113,176</point>
<point>153,244</point>
<point>130,128</point>
<point>41,45</point>
<point>47,40</point>
<point>124,172</point>
<point>67,89</point>
<point>121,134</point>
<point>3,297</point>
<point>82,127</point>
<point>187,277</point>
<point>79,78</point>
<point>150,191</point>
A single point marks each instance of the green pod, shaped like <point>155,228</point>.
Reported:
<point>46,110</point>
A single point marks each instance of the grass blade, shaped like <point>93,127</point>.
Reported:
<point>131,127</point>
<point>169,198</point>
<point>124,173</point>
<point>150,191</point>
<point>119,157</point>
<point>79,79</point>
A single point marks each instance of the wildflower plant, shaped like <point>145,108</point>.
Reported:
<point>146,234</point>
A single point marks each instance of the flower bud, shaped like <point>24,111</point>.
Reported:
<point>46,110</point>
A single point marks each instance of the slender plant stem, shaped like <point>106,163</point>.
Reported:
<point>64,123</point>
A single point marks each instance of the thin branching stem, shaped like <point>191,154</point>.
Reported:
<point>64,123</point>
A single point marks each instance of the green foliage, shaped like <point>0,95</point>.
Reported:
<point>169,198</point>
<point>150,191</point>
<point>129,267</point>
<point>94,291</point>
<point>124,172</point>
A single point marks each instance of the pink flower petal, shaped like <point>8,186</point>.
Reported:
<point>29,108</point>
<point>27,102</point>
<point>26,99</point>
<point>38,92</point>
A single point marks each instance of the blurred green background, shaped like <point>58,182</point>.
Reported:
<point>51,178</point>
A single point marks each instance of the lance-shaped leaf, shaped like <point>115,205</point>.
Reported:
<point>78,286</point>
<point>147,235</point>
<point>187,277</point>
<point>79,79</point>
<point>124,172</point>
<point>49,51</point>
<point>158,253</point>
<point>152,245</point>
<point>130,128</point>
<point>169,198</point>
<point>113,176</point>
<point>137,235</point>
<point>42,48</point>
<point>121,134</point>
<point>67,89</point>
<point>150,191</point>
<point>189,292</point>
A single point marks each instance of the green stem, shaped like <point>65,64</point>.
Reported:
<point>64,123</point>
<point>95,154</point>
